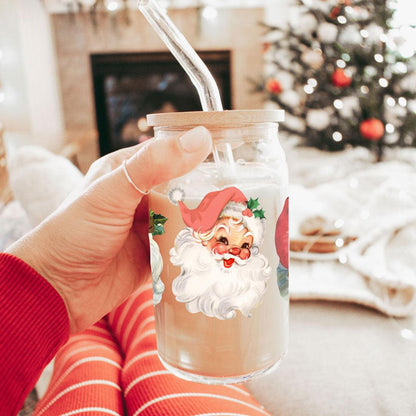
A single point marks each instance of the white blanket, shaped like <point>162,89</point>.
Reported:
<point>377,203</point>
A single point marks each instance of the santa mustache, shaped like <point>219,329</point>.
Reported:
<point>227,256</point>
<point>235,258</point>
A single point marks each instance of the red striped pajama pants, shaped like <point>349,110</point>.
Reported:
<point>113,369</point>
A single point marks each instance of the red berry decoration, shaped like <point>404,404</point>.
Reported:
<point>372,129</point>
<point>340,79</point>
<point>273,86</point>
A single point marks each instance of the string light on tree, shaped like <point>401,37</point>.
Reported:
<point>378,57</point>
<point>337,136</point>
<point>341,63</point>
<point>383,82</point>
<point>402,101</point>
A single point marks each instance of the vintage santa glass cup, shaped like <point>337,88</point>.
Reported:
<point>219,250</point>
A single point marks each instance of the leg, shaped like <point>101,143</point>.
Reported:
<point>149,389</point>
<point>86,377</point>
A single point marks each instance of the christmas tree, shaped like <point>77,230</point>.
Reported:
<point>344,75</point>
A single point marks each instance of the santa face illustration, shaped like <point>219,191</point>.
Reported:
<point>231,242</point>
<point>222,270</point>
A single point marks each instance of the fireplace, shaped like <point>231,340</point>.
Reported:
<point>92,57</point>
<point>128,86</point>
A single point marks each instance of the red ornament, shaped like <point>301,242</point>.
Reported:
<point>266,46</point>
<point>340,79</point>
<point>334,12</point>
<point>372,129</point>
<point>273,86</point>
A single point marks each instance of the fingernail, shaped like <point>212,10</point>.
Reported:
<point>194,139</point>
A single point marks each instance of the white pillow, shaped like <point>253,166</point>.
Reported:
<point>41,180</point>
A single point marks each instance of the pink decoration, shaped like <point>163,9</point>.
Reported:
<point>282,235</point>
<point>203,218</point>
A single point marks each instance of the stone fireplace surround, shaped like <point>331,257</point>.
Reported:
<point>78,36</point>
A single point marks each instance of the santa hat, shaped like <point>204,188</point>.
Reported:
<point>229,202</point>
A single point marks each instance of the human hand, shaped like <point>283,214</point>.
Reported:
<point>94,249</point>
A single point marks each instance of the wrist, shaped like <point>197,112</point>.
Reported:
<point>36,254</point>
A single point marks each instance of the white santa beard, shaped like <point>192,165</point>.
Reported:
<point>206,286</point>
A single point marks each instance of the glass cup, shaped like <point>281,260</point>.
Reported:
<point>219,250</point>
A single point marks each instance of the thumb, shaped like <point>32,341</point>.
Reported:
<point>159,160</point>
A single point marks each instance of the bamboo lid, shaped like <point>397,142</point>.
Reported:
<point>211,118</point>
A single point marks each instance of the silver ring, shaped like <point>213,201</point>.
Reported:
<point>131,180</point>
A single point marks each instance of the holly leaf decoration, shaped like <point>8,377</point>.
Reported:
<point>253,206</point>
<point>156,223</point>
<point>259,213</point>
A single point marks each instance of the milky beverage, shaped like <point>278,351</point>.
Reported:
<point>212,348</point>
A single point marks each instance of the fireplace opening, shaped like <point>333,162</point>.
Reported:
<point>129,86</point>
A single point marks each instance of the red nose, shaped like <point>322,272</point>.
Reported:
<point>235,251</point>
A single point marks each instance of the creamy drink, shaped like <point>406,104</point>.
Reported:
<point>222,311</point>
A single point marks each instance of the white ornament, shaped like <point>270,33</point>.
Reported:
<point>306,24</point>
<point>350,35</point>
<point>374,32</point>
<point>290,98</point>
<point>313,58</point>
<point>294,123</point>
<point>395,115</point>
<point>318,119</point>
<point>282,56</point>
<point>323,6</point>
<point>408,83</point>
<point>273,36</point>
<point>269,69</point>
<point>327,32</point>
<point>411,105</point>
<point>286,80</point>
<point>349,104</point>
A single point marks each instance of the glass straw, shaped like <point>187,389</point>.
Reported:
<point>184,53</point>
<point>197,72</point>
